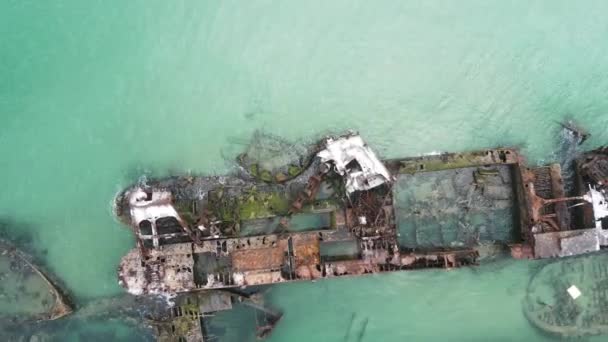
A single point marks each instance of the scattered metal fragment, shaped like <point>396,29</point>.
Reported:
<point>593,166</point>
<point>580,133</point>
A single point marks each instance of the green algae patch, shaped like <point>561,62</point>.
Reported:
<point>254,170</point>
<point>186,210</point>
<point>265,176</point>
<point>250,204</point>
<point>294,170</point>
<point>262,204</point>
<point>224,207</point>
<point>449,161</point>
<point>436,164</point>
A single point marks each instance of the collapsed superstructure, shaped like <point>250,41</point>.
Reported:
<point>343,212</point>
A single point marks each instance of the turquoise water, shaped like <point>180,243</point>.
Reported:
<point>95,94</point>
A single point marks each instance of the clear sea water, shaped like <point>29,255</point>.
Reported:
<point>95,94</point>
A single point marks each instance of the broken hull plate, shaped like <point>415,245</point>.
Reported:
<point>568,297</point>
<point>26,294</point>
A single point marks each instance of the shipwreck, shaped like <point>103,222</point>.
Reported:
<point>337,209</point>
<point>567,298</point>
<point>27,293</point>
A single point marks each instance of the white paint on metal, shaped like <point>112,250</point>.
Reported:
<point>574,292</point>
<point>158,206</point>
<point>600,205</point>
<point>368,173</point>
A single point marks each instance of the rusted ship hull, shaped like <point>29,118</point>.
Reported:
<point>350,214</point>
<point>28,294</point>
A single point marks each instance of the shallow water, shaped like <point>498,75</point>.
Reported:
<point>95,94</point>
